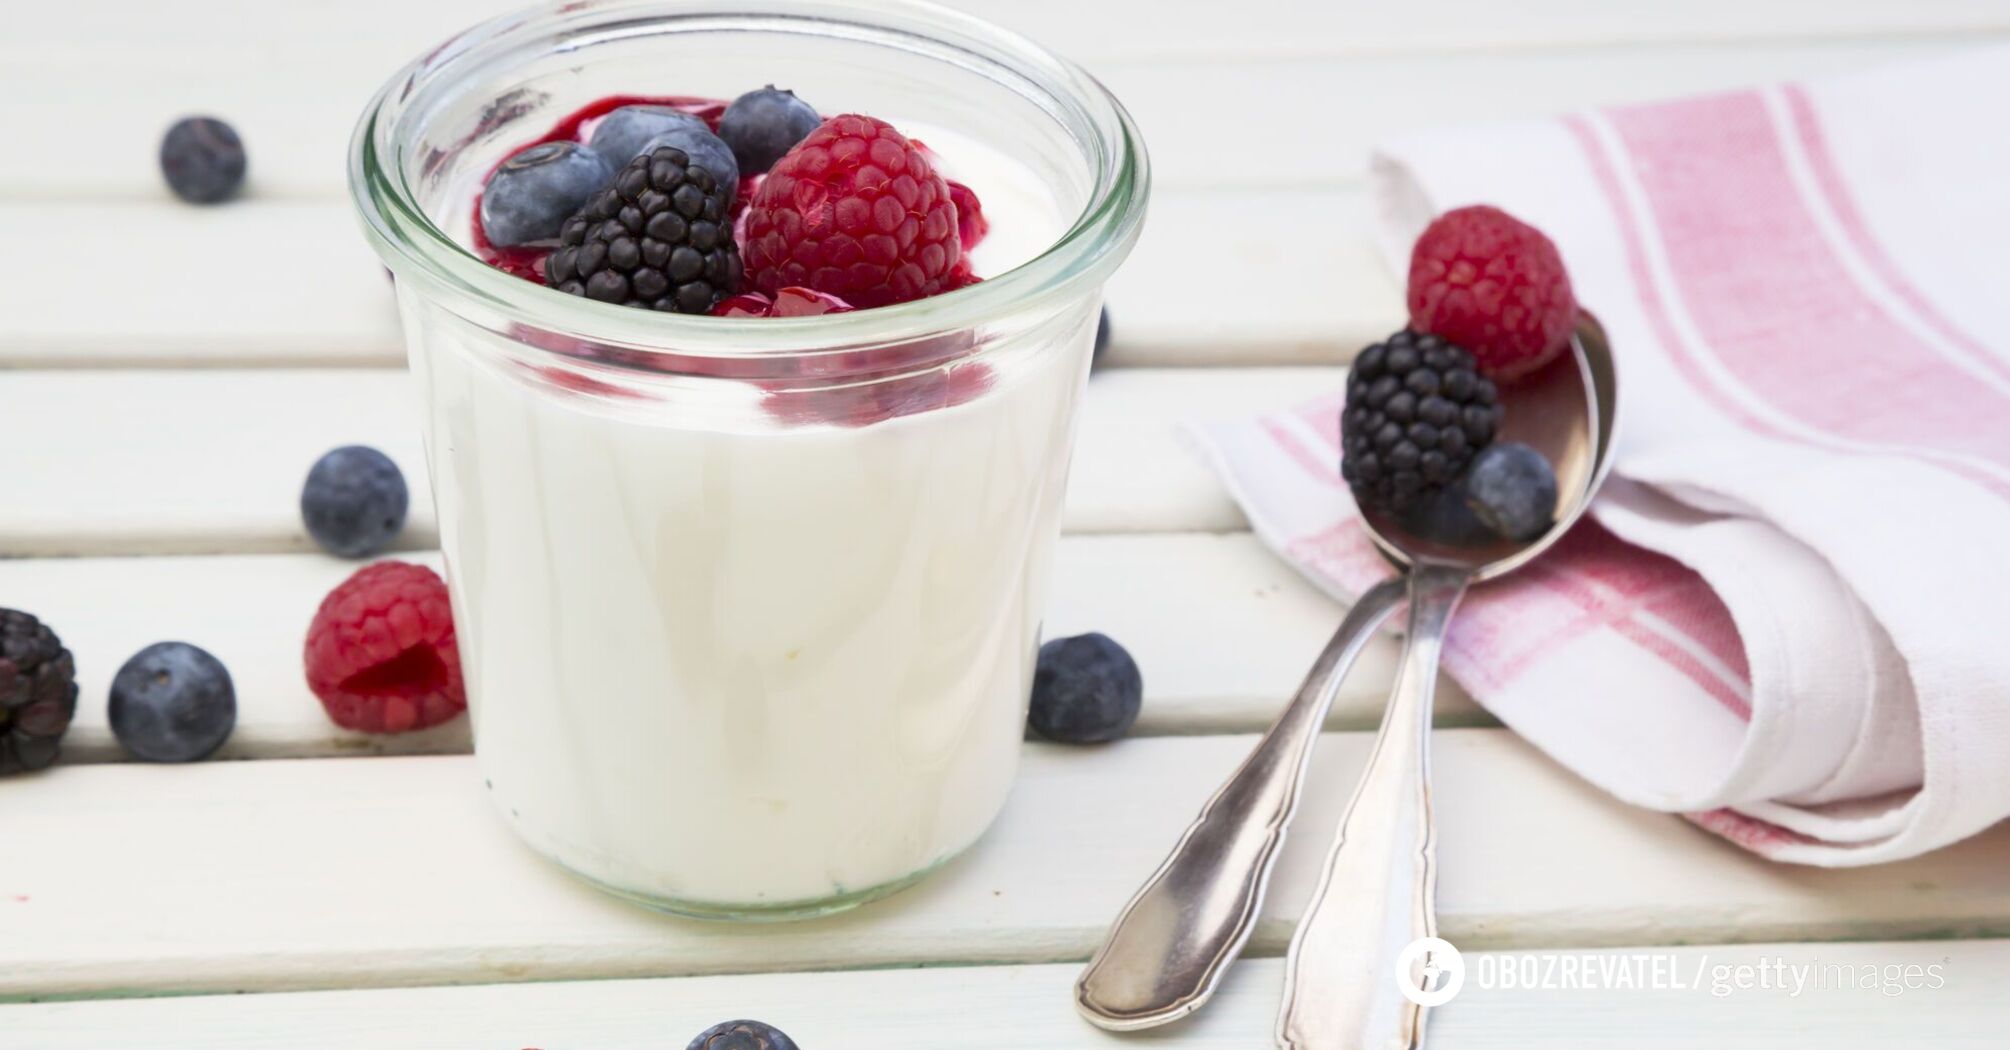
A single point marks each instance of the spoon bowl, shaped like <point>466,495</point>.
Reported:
<point>1567,411</point>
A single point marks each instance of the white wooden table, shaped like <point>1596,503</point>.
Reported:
<point>173,371</point>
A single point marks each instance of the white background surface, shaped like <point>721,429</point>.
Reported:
<point>162,390</point>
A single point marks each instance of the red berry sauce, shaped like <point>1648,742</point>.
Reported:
<point>577,126</point>
<point>850,389</point>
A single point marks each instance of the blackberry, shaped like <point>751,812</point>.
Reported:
<point>658,237</point>
<point>1417,412</point>
<point>38,692</point>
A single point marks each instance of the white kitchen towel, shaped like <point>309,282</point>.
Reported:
<point>1790,618</point>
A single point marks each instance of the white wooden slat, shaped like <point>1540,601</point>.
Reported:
<point>1274,123</point>
<point>302,874</point>
<point>200,462</point>
<point>382,33</point>
<point>1954,1006</point>
<point>1222,629</point>
<point>292,283</point>
<point>118,283</point>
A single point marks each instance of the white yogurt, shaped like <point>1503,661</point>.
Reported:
<point>758,666</point>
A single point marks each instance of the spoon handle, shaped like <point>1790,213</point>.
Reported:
<point>1170,946</point>
<point>1379,890</point>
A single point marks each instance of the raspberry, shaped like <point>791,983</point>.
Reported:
<point>381,653</point>
<point>857,211</point>
<point>1495,285</point>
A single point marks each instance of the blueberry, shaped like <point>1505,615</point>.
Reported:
<point>532,194</point>
<point>762,125</point>
<point>172,702</point>
<point>1102,335</point>
<point>354,501</point>
<point>742,1035</point>
<point>621,134</point>
<point>705,150</point>
<point>1513,490</point>
<point>202,159</point>
<point>630,131</point>
<point>1086,690</point>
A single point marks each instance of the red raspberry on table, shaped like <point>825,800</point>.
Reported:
<point>381,653</point>
<point>1494,285</point>
<point>857,211</point>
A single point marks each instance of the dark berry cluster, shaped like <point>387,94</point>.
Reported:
<point>1417,412</point>
<point>658,237</point>
<point>38,692</point>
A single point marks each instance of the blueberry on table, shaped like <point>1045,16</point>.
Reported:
<point>354,501</point>
<point>1086,690</point>
<point>532,194</point>
<point>1512,488</point>
<point>742,1035</point>
<point>762,125</point>
<point>38,692</point>
<point>172,702</point>
<point>202,159</point>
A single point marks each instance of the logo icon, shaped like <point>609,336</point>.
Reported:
<point>1440,977</point>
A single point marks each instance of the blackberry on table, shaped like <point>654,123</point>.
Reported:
<point>38,692</point>
<point>1417,413</point>
<point>659,237</point>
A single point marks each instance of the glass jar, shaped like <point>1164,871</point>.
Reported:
<point>748,608</point>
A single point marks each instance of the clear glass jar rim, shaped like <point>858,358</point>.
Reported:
<point>416,248</point>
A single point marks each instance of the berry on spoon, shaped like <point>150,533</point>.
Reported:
<point>1512,488</point>
<point>1416,413</point>
<point>1495,285</point>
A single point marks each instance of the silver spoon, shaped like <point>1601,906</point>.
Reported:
<point>1170,947</point>
<point>1379,890</point>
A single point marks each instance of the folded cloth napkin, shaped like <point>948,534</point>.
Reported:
<point>1787,618</point>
